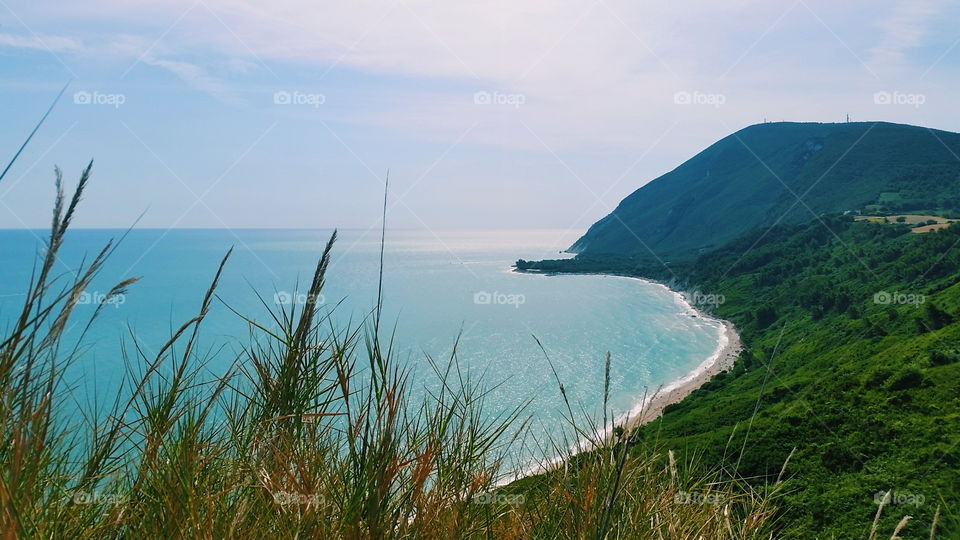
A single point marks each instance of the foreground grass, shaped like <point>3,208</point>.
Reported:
<point>311,433</point>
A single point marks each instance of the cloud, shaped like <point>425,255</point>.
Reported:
<point>40,42</point>
<point>598,80</point>
<point>585,67</point>
<point>597,72</point>
<point>903,29</point>
<point>198,78</point>
<point>133,49</point>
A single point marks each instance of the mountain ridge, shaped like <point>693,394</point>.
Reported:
<point>781,172</point>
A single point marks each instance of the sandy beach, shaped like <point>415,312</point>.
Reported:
<point>651,406</point>
<point>722,360</point>
<point>652,402</point>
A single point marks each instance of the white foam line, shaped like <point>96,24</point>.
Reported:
<point>644,402</point>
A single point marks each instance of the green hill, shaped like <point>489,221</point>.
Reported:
<point>864,382</point>
<point>852,364</point>
<point>754,178</point>
<point>851,328</point>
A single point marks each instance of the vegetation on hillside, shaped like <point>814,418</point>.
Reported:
<point>782,173</point>
<point>852,332</point>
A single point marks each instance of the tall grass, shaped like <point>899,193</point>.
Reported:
<point>313,431</point>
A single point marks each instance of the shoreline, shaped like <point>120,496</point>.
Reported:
<point>729,346</point>
<point>650,407</point>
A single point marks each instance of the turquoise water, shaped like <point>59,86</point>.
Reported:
<point>436,286</point>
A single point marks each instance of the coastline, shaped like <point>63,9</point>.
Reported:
<point>723,359</point>
<point>650,407</point>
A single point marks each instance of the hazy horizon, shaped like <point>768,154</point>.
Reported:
<point>513,333</point>
<point>213,114</point>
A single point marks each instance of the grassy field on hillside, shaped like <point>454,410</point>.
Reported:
<point>853,359</point>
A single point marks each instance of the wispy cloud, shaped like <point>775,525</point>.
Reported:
<point>198,78</point>
<point>595,81</point>
<point>40,42</point>
<point>130,48</point>
<point>903,29</point>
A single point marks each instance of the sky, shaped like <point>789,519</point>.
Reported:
<point>499,114</point>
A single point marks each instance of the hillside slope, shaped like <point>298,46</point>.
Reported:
<point>754,177</point>
<point>852,365</point>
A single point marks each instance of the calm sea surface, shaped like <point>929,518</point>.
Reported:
<point>436,287</point>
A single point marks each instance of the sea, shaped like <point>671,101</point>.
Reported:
<point>441,290</point>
